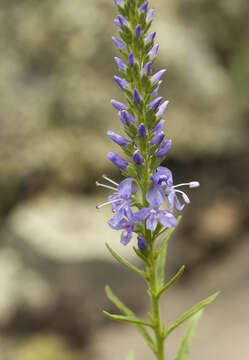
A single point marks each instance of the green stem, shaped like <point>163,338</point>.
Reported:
<point>152,282</point>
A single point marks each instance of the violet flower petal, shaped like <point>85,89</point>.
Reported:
<point>164,149</point>
<point>118,105</point>
<point>137,157</point>
<point>157,76</point>
<point>117,160</point>
<point>121,64</point>
<point>155,197</point>
<point>141,131</point>
<point>141,243</point>
<point>162,109</point>
<point>118,139</point>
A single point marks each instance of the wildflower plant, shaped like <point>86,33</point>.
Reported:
<point>146,203</point>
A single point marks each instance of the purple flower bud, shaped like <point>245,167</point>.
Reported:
<point>122,82</point>
<point>126,118</point>
<point>141,131</point>
<point>118,43</point>
<point>155,92</point>
<point>150,37</point>
<point>155,103</point>
<point>137,157</point>
<point>121,64</point>
<point>137,31</point>
<point>117,160</point>
<point>162,109</point>
<point>166,145</point>
<point>122,21</point>
<point>144,6</point>
<point>157,139</point>
<point>147,68</point>
<point>158,127</point>
<point>118,105</point>
<point>141,243</point>
<point>117,23</point>
<point>136,96</point>
<point>152,53</point>
<point>131,59</point>
<point>118,139</point>
<point>149,15</point>
<point>157,76</point>
<point>118,2</point>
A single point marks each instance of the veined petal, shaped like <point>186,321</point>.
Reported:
<point>151,223</point>
<point>167,219</point>
<point>155,197</point>
<point>126,189</point>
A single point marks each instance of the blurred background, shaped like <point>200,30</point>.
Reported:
<point>56,82</point>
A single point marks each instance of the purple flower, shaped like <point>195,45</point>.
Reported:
<point>118,43</point>
<point>144,6</point>
<point>122,82</point>
<point>118,105</point>
<point>157,76</point>
<point>118,2</point>
<point>117,160</point>
<point>122,21</point>
<point>118,139</point>
<point>136,96</point>
<point>141,131</point>
<point>137,157</point>
<point>126,117</point>
<point>155,103</point>
<point>120,199</point>
<point>158,126</point>
<point>126,226</point>
<point>147,68</point>
<point>163,180</point>
<point>141,243</point>
<point>157,139</point>
<point>137,31</point>
<point>150,37</point>
<point>162,109</point>
<point>154,215</point>
<point>131,58</point>
<point>149,15</point>
<point>152,53</point>
<point>121,64</point>
<point>166,145</point>
<point>117,23</point>
<point>154,92</point>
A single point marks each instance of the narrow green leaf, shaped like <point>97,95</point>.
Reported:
<point>184,346</point>
<point>129,319</point>
<point>124,262</point>
<point>126,311</point>
<point>192,312</point>
<point>161,260</point>
<point>171,282</point>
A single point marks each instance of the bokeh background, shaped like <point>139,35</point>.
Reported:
<point>56,69</point>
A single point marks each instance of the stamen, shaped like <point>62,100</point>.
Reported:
<point>194,184</point>
<point>108,179</point>
<point>106,186</point>
<point>106,203</point>
<point>185,197</point>
<point>191,184</point>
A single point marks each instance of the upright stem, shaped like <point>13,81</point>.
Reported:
<point>155,307</point>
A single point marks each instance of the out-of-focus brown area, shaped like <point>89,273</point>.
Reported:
<point>56,69</point>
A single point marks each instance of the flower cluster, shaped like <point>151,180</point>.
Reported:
<point>144,203</point>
